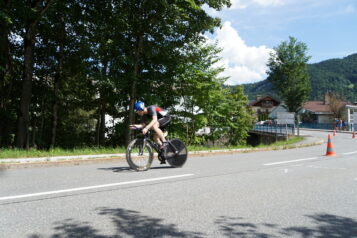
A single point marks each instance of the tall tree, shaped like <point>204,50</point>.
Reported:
<point>158,30</point>
<point>34,10</point>
<point>288,73</point>
<point>6,75</point>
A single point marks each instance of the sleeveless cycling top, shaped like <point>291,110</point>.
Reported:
<point>155,111</point>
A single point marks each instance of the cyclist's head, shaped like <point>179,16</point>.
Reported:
<point>139,106</point>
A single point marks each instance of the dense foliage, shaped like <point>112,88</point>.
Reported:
<point>335,75</point>
<point>67,66</point>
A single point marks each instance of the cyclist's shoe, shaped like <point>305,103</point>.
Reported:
<point>163,145</point>
<point>161,158</point>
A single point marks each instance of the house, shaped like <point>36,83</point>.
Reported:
<point>324,112</point>
<point>263,106</point>
<point>317,112</point>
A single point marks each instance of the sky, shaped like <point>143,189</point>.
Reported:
<point>252,28</point>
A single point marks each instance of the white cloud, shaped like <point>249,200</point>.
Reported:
<point>243,63</point>
<point>349,9</point>
<point>266,3</point>
<point>242,4</point>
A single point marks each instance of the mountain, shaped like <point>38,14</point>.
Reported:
<point>335,75</point>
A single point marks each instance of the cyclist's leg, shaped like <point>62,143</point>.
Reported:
<point>156,138</point>
<point>163,123</point>
<point>160,135</point>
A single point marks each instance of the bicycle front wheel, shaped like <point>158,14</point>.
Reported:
<point>176,153</point>
<point>139,155</point>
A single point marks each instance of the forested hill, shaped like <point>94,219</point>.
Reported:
<point>336,75</point>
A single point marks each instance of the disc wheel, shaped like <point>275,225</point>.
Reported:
<point>139,155</point>
<point>176,153</point>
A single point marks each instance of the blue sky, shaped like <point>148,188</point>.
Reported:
<point>251,28</point>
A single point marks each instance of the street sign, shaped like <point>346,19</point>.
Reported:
<point>286,118</point>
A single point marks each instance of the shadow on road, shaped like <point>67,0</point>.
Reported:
<point>237,227</point>
<point>116,169</point>
<point>129,223</point>
<point>324,226</point>
<point>126,169</point>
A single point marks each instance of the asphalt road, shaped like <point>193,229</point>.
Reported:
<point>289,193</point>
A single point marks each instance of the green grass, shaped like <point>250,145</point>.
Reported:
<point>273,145</point>
<point>284,143</point>
<point>199,148</point>
<point>18,153</point>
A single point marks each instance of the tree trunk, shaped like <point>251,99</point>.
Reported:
<point>97,129</point>
<point>5,77</point>
<point>23,117</point>
<point>102,125</point>
<point>29,45</point>
<point>133,93</point>
<point>34,134</point>
<point>57,82</point>
<point>102,105</point>
<point>42,124</point>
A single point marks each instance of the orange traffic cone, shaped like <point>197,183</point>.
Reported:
<point>329,147</point>
<point>353,134</point>
<point>334,132</point>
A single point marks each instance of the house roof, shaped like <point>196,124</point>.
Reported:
<point>316,106</point>
<point>319,106</point>
<point>263,98</point>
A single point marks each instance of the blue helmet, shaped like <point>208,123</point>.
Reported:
<point>139,106</point>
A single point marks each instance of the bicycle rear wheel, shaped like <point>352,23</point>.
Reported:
<point>139,155</point>
<point>176,153</point>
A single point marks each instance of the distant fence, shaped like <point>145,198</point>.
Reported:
<point>275,129</point>
<point>325,126</point>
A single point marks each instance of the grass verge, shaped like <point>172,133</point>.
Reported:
<point>18,153</point>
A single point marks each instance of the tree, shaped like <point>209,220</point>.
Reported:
<point>240,119</point>
<point>336,103</point>
<point>65,65</point>
<point>288,73</point>
<point>33,11</point>
<point>6,66</point>
<point>157,32</point>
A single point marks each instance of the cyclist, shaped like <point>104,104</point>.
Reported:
<point>160,119</point>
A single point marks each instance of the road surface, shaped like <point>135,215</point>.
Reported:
<point>288,193</point>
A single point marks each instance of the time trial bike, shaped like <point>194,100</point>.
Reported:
<point>140,152</point>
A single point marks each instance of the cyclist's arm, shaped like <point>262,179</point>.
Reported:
<point>137,126</point>
<point>153,121</point>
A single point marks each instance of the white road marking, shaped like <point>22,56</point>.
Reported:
<point>291,161</point>
<point>93,187</point>
<point>324,167</point>
<point>350,153</point>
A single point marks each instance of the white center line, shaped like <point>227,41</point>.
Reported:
<point>290,161</point>
<point>350,153</point>
<point>93,187</point>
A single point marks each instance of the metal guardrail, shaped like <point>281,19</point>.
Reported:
<point>327,126</point>
<point>324,126</point>
<point>275,129</point>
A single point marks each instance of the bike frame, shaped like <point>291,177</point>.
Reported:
<point>154,145</point>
